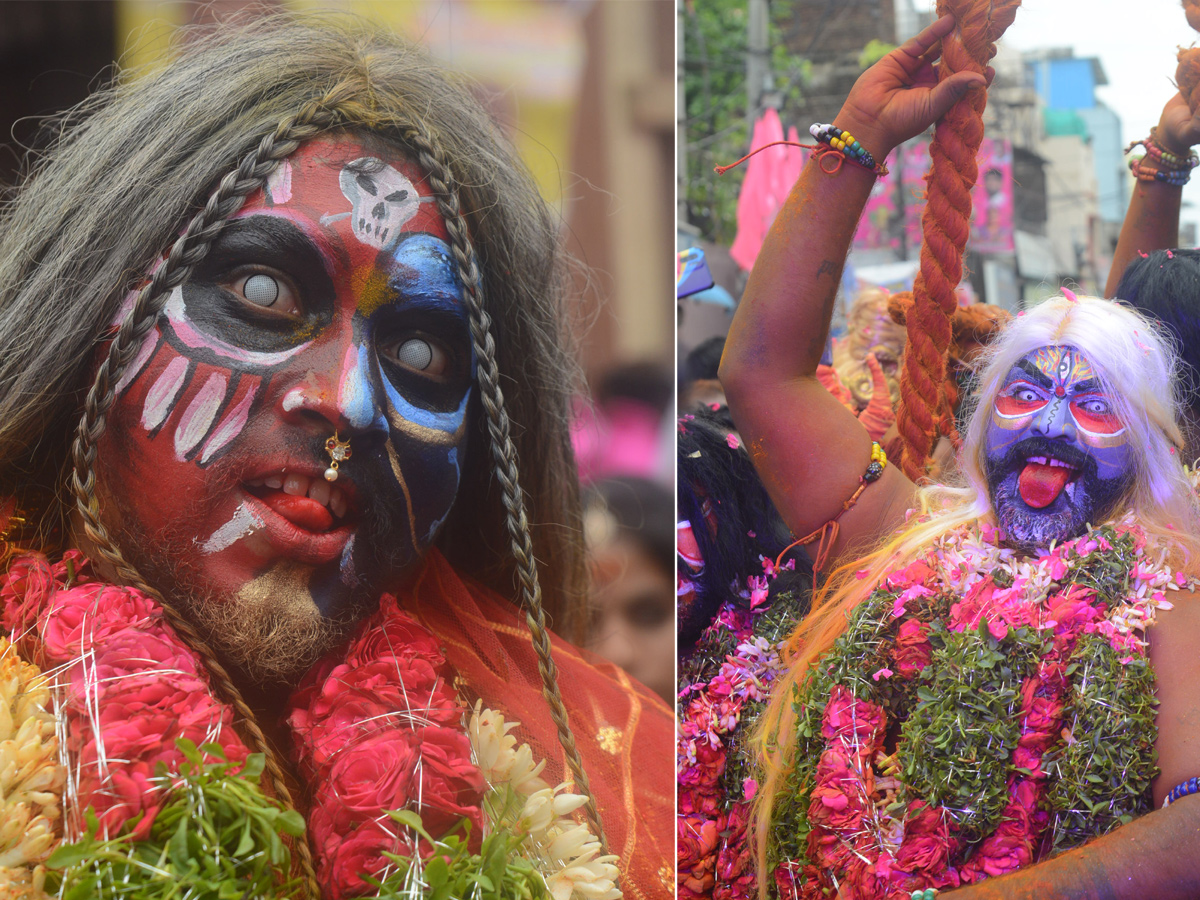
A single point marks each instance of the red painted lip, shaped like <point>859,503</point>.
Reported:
<point>296,543</point>
<point>285,537</point>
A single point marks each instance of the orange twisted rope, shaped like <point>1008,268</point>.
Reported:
<point>946,223</point>
<point>1187,76</point>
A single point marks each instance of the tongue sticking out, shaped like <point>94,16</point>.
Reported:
<point>1040,485</point>
<point>300,511</point>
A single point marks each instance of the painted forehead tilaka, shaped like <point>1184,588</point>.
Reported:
<point>1063,365</point>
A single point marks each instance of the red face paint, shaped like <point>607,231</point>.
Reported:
<point>331,303</point>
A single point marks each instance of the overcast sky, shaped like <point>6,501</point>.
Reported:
<point>1136,41</point>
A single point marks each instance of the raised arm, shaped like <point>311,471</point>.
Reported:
<point>810,450</point>
<point>1152,220</point>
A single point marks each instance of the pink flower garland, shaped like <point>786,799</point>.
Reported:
<point>379,728</point>
<point>376,728</point>
<point>126,685</point>
<point>713,853</point>
<point>877,856</point>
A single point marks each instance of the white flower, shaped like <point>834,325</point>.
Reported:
<point>593,879</point>
<point>23,884</point>
<point>567,853</point>
<point>34,845</point>
<point>545,807</point>
<point>492,744</point>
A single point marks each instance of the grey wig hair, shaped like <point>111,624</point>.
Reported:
<point>165,160</point>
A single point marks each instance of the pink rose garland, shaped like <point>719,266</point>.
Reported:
<point>127,686</point>
<point>379,728</point>
<point>875,856</point>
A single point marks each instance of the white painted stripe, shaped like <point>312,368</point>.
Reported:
<point>199,415</point>
<point>161,397</point>
<point>243,524</point>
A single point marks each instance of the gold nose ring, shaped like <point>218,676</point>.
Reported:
<point>339,451</point>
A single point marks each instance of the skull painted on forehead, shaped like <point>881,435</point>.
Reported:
<point>383,199</point>
<point>299,324</point>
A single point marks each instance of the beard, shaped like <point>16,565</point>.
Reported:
<point>272,629</point>
<point>272,637</point>
<point>1087,499</point>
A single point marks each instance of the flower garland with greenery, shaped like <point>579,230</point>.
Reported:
<point>140,784</point>
<point>724,685</point>
<point>1017,701</point>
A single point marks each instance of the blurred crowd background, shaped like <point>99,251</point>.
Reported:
<point>586,91</point>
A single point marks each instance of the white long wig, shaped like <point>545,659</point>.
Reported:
<point>1136,364</point>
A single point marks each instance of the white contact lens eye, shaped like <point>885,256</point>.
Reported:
<point>261,290</point>
<point>415,354</point>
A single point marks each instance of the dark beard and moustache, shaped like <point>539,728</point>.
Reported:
<point>273,638</point>
<point>1089,500</point>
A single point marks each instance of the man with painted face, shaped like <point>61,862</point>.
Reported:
<point>997,678</point>
<point>266,384</point>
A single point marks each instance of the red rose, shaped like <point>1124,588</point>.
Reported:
<point>150,648</point>
<point>87,616</point>
<point>26,589</point>
<point>708,768</point>
<point>342,862</point>
<point>916,573</point>
<point>912,649</point>
<point>369,777</point>
<point>927,842</point>
<point>735,863</point>
<point>840,797</point>
<point>127,792</point>
<point>854,721</point>
<point>399,635</point>
<point>700,801</point>
<point>452,786</point>
<point>142,716</point>
<point>697,839</point>
<point>380,695</point>
<point>696,854</point>
<point>1072,612</point>
<point>970,611</point>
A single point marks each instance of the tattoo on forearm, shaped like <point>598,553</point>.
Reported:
<point>828,267</point>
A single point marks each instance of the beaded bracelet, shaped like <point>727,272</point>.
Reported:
<point>927,894</point>
<point>1169,160</point>
<point>846,144</point>
<point>1165,157</point>
<point>1191,786</point>
<point>876,465</point>
<point>1145,172</point>
<point>827,533</point>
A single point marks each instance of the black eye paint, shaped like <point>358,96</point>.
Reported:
<point>259,241</point>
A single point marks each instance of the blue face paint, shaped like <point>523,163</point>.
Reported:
<point>1057,457</point>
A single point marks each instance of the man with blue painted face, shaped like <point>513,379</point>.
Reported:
<point>286,484</point>
<point>998,675</point>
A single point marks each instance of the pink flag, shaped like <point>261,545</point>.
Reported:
<point>769,177</point>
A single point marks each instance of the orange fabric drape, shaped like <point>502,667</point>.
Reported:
<point>625,733</point>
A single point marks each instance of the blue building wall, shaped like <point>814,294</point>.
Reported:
<point>1108,151</point>
<point>1070,84</point>
<point>1065,83</point>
